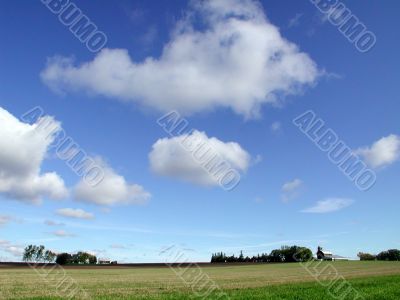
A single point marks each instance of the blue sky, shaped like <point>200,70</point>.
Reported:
<point>169,60</point>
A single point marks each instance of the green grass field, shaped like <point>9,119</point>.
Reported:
<point>372,280</point>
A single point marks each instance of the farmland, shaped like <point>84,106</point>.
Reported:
<point>373,280</point>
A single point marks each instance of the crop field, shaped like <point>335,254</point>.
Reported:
<point>365,280</point>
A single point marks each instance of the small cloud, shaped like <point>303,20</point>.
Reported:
<point>295,21</point>
<point>276,127</point>
<point>75,213</point>
<point>149,36</point>
<point>118,246</point>
<point>381,153</point>
<point>53,223</point>
<point>291,190</point>
<point>330,75</point>
<point>329,205</point>
<point>105,210</point>
<point>136,15</point>
<point>5,219</point>
<point>62,233</point>
<point>257,159</point>
<point>96,252</point>
<point>4,243</point>
<point>259,200</point>
<point>15,250</point>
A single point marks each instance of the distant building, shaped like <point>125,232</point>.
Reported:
<point>104,262</point>
<point>324,254</point>
<point>328,255</point>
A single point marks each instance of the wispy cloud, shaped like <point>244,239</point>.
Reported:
<point>118,246</point>
<point>53,223</point>
<point>329,205</point>
<point>295,21</point>
<point>291,189</point>
<point>10,248</point>
<point>5,219</point>
<point>259,200</point>
<point>276,127</point>
<point>62,233</point>
<point>257,159</point>
<point>75,213</point>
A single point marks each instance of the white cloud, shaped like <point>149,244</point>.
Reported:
<point>184,156</point>
<point>118,246</point>
<point>8,247</point>
<point>295,21</point>
<point>23,148</point>
<point>257,159</point>
<point>329,205</point>
<point>112,190</point>
<point>14,250</point>
<point>5,219</point>
<point>383,152</point>
<point>150,36</point>
<point>291,189</point>
<point>105,210</point>
<point>239,60</point>
<point>259,200</point>
<point>53,223</point>
<point>75,213</point>
<point>62,233</point>
<point>292,185</point>
<point>276,127</point>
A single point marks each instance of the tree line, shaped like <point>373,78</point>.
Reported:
<point>284,254</point>
<point>388,255</point>
<point>39,254</point>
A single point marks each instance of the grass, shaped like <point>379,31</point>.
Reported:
<point>372,280</point>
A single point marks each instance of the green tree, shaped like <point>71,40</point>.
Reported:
<point>39,253</point>
<point>92,259</point>
<point>366,256</point>
<point>241,257</point>
<point>276,256</point>
<point>34,253</point>
<point>28,253</point>
<point>83,258</point>
<point>300,254</point>
<point>389,255</point>
<point>49,256</point>
<point>64,259</point>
